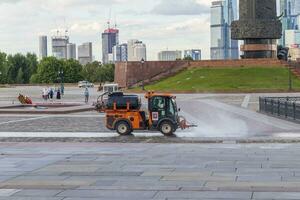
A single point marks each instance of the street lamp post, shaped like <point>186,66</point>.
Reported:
<point>0,77</point>
<point>290,73</point>
<point>143,84</point>
<point>61,75</point>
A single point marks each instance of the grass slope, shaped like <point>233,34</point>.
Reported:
<point>255,79</point>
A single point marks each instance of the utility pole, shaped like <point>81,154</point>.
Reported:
<point>290,73</point>
<point>143,83</point>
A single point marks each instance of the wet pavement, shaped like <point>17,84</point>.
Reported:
<point>96,171</point>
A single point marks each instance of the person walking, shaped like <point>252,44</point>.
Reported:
<point>58,94</point>
<point>86,95</point>
<point>51,93</point>
<point>45,94</point>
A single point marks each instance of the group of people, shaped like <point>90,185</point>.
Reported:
<point>49,93</point>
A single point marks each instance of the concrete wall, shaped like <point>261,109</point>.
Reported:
<point>128,74</point>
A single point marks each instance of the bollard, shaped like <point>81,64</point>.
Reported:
<point>294,110</point>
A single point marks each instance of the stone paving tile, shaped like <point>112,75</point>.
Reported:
<point>277,195</point>
<point>31,198</point>
<point>258,178</point>
<point>102,173</point>
<point>135,187</point>
<point>38,193</point>
<point>203,195</point>
<point>121,171</point>
<point>62,124</point>
<point>7,192</point>
<point>105,198</point>
<point>108,194</point>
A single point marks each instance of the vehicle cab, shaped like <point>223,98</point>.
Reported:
<point>163,113</point>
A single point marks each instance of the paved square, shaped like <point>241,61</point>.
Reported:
<point>73,171</point>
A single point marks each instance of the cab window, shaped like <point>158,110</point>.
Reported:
<point>171,107</point>
<point>158,103</point>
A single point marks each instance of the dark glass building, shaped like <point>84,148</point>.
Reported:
<point>110,38</point>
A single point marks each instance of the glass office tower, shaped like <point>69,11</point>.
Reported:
<point>222,15</point>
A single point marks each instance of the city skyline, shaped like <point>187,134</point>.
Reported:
<point>152,22</point>
<point>188,17</point>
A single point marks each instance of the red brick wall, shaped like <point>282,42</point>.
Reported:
<point>131,73</point>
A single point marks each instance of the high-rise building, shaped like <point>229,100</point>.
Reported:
<point>195,54</point>
<point>110,38</point>
<point>120,53</point>
<point>169,55</point>
<point>290,10</point>
<point>136,50</point>
<point>59,46</point>
<point>71,51</point>
<point>85,53</point>
<point>140,51</point>
<point>130,49</point>
<point>223,13</point>
<point>43,46</point>
<point>292,38</point>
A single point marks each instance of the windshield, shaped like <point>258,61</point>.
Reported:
<point>172,108</point>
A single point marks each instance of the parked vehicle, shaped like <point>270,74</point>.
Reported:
<point>110,88</point>
<point>85,84</point>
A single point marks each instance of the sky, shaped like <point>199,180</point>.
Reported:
<point>160,24</point>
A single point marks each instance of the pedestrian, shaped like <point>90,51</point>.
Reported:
<point>86,95</point>
<point>58,94</point>
<point>45,94</point>
<point>51,93</point>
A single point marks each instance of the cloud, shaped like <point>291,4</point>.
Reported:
<point>10,1</point>
<point>180,7</point>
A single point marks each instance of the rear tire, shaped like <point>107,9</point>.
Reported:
<point>167,128</point>
<point>123,128</point>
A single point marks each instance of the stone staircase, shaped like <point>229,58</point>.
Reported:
<point>294,68</point>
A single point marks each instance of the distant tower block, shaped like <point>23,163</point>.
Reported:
<point>259,27</point>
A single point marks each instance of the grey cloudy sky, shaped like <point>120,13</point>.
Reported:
<point>161,24</point>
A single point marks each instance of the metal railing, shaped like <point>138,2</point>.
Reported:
<point>282,107</point>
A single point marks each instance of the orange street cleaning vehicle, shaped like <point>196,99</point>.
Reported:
<point>124,113</point>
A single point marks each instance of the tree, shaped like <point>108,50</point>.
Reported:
<point>19,78</point>
<point>90,72</point>
<point>72,71</point>
<point>32,61</point>
<point>47,71</point>
<point>188,58</point>
<point>3,68</point>
<point>15,62</point>
<point>109,71</point>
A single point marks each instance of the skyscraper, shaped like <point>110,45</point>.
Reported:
<point>222,15</point>
<point>71,51</point>
<point>59,46</point>
<point>136,50</point>
<point>43,47</point>
<point>130,49</point>
<point>169,55</point>
<point>290,10</point>
<point>85,53</point>
<point>195,54</point>
<point>110,38</point>
<point>140,51</point>
<point>120,53</point>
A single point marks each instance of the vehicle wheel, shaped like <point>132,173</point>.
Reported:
<point>123,128</point>
<point>166,128</point>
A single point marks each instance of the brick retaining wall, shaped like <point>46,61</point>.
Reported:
<point>128,74</point>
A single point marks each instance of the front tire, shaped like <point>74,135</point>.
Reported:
<point>123,128</point>
<point>167,128</point>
